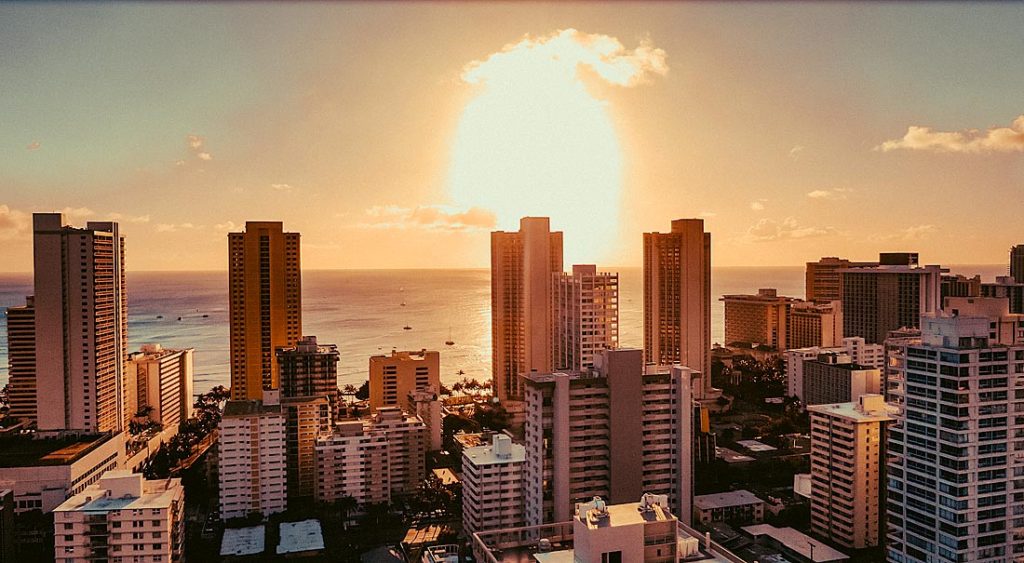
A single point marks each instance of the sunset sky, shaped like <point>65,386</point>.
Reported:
<point>399,135</point>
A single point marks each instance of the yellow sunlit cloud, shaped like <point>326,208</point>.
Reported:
<point>535,141</point>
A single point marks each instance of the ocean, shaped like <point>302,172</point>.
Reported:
<point>361,311</point>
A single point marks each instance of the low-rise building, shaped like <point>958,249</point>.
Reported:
<point>252,457</point>
<point>740,507</point>
<point>161,379</point>
<point>123,517</point>
<point>794,545</point>
<point>860,352</point>
<point>492,486</point>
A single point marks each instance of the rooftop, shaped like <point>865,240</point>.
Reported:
<point>501,451</point>
<point>110,494</point>
<point>725,500</point>
<point>300,537</point>
<point>243,541</point>
<point>755,446</point>
<point>28,451</point>
<point>446,476</point>
<point>798,542</point>
<point>249,408</point>
<point>869,408</point>
<point>626,514</point>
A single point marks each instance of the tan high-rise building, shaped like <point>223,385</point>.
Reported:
<point>393,378</point>
<point>823,281</point>
<point>21,360</point>
<point>81,325</point>
<point>815,324</point>
<point>616,431</point>
<point>890,296</point>
<point>522,265</point>
<point>161,379</point>
<point>265,282</point>
<point>310,370</point>
<point>847,471</point>
<point>677,298</point>
<point>758,319</point>
<point>586,309</point>
<point>1017,263</point>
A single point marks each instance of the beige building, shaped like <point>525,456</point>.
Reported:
<point>394,377</point>
<point>81,325</point>
<point>353,462</point>
<point>265,283</point>
<point>758,319</point>
<point>123,517</point>
<point>848,456</point>
<point>677,299</point>
<point>859,352</point>
<point>586,316</point>
<point>815,324</point>
<point>251,459</point>
<point>306,419</point>
<point>598,433</point>
<point>21,360</point>
<point>408,443</point>
<point>492,485</point>
<point>426,405</point>
<point>522,266</point>
<point>44,472</point>
<point>887,297</point>
<point>161,379</point>
<point>824,279</point>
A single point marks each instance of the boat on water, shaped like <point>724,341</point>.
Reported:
<point>179,318</point>
<point>159,316</point>
<point>206,316</point>
<point>460,372</point>
<point>406,327</point>
<point>449,342</point>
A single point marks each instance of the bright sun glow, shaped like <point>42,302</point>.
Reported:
<point>534,141</point>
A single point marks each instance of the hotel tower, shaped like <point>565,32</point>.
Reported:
<point>266,304</point>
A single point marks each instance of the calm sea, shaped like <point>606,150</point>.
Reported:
<point>362,312</point>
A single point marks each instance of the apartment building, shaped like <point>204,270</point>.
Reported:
<point>492,485</point>
<point>161,379</point>
<point>252,454</point>
<point>586,316</point>
<point>393,377</point>
<point>859,351</point>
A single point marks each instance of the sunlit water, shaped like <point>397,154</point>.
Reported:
<point>362,312</point>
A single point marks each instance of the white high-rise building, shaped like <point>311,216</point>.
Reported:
<point>492,486</point>
<point>847,469</point>
<point>123,517</point>
<point>586,316</point>
<point>955,451</point>
<point>252,452</point>
<point>860,353</point>
<point>353,462</point>
<point>81,325</point>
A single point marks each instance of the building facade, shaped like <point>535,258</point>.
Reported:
<point>353,462</point>
<point>823,279</point>
<point>1017,263</point>
<point>815,324</point>
<point>522,265</point>
<point>306,419</point>
<point>162,380</point>
<point>859,351</point>
<point>251,460</point>
<point>265,283</point>
<point>677,299</point>
<point>584,437</point>
<point>394,377</point>
<point>492,486</point>
<point>81,325</point>
<point>833,378</point>
<point>21,361</point>
<point>586,316</point>
<point>123,517</point>
<point>309,369</point>
<point>758,319</point>
<point>1007,288</point>
<point>848,471</point>
<point>955,454</point>
<point>734,507</point>
<point>884,298</point>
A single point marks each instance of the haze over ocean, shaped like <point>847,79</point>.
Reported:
<point>361,311</point>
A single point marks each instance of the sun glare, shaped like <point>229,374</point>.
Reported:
<point>535,141</point>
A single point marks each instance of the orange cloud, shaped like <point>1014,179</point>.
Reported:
<point>995,139</point>
<point>430,217</point>
<point>767,230</point>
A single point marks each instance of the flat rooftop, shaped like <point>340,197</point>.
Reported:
<point>248,408</point>
<point>26,451</point>
<point>626,515</point>
<point>155,494</point>
<point>725,500</point>
<point>446,476</point>
<point>798,542</point>
<point>485,455</point>
<point>300,537</point>
<point>851,411</point>
<point>755,446</point>
<point>243,541</point>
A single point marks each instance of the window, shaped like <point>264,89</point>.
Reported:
<point>611,557</point>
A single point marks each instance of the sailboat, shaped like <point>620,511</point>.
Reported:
<point>449,342</point>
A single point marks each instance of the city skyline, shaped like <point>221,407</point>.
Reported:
<point>854,138</point>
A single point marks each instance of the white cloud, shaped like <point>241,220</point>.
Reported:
<point>758,204</point>
<point>174,227</point>
<point>428,217</point>
<point>204,156</point>
<point>196,144</point>
<point>75,214</point>
<point>228,226</point>
<point>767,230</point>
<point>282,187</point>
<point>128,218</point>
<point>568,49</point>
<point>796,151</point>
<point>707,214</point>
<point>14,223</point>
<point>994,139</point>
<point>832,194</point>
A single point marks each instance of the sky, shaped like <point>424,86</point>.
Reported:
<point>398,135</point>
